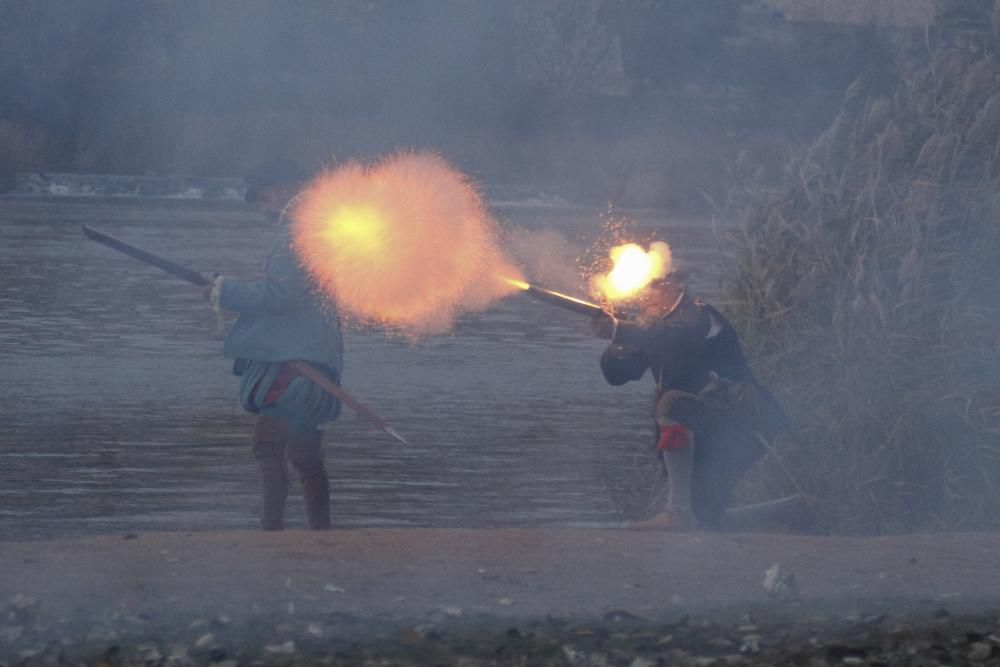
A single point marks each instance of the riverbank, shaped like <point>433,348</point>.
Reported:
<point>242,595</point>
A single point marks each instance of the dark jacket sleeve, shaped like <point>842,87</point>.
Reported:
<point>630,334</point>
<point>283,287</point>
<point>621,364</point>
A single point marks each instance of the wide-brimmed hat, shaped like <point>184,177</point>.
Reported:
<point>268,174</point>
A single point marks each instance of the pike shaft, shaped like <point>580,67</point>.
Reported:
<point>190,275</point>
<point>312,373</point>
<point>174,269</point>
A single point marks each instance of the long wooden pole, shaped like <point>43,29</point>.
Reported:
<point>191,276</point>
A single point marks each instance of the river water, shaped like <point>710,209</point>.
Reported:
<point>121,415</point>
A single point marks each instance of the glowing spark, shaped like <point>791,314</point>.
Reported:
<point>633,268</point>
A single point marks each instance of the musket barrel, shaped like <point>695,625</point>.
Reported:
<point>564,301</point>
<point>558,299</point>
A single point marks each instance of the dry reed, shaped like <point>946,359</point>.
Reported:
<point>868,295</point>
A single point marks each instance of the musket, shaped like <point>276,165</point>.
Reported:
<point>306,369</point>
<point>560,300</point>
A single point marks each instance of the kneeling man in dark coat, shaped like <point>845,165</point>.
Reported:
<point>712,415</point>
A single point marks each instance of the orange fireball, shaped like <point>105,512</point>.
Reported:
<point>406,242</point>
<point>632,269</point>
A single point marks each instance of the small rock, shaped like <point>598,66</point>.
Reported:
<point>979,652</point>
<point>315,630</point>
<point>150,653</point>
<point>779,584</point>
<point>178,658</point>
<point>288,648</point>
<point>641,662</point>
<point>579,658</point>
<point>333,589</point>
<point>750,644</point>
<point>204,640</point>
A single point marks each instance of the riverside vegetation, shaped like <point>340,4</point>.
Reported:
<point>867,294</point>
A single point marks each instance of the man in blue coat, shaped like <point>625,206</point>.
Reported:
<point>281,319</point>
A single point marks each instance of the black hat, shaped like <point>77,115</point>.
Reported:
<point>271,173</point>
<point>676,278</point>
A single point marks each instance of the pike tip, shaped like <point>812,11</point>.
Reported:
<point>395,434</point>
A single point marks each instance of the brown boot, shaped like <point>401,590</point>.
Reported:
<point>269,450</point>
<point>305,451</point>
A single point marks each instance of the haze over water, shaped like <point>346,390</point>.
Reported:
<point>122,415</point>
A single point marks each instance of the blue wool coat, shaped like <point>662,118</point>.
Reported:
<point>282,319</point>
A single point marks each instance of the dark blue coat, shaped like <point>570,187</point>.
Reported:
<point>680,348</point>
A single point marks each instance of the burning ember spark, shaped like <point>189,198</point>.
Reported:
<point>406,242</point>
<point>633,268</point>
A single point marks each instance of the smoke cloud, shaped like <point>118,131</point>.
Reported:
<point>405,243</point>
<point>547,257</point>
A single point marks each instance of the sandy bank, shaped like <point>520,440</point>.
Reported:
<point>510,572</point>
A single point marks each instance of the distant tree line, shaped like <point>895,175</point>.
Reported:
<point>206,87</point>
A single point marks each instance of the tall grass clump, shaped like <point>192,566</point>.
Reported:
<point>868,295</point>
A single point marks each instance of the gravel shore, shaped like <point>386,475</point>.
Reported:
<point>511,596</point>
